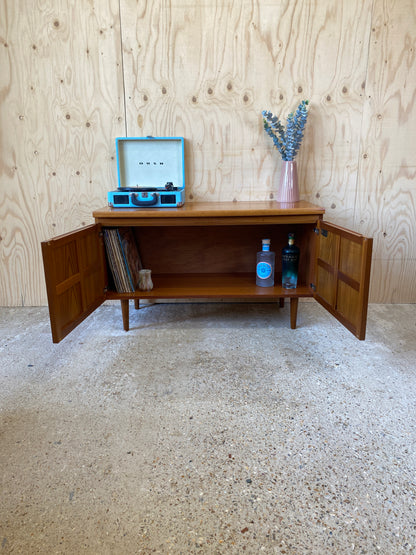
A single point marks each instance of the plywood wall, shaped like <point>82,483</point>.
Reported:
<point>75,75</point>
<point>386,186</point>
<point>61,103</point>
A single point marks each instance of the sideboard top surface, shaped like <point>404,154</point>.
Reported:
<point>239,209</point>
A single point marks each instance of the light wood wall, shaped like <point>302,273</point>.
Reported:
<point>75,75</point>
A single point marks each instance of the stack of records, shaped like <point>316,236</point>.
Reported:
<point>123,258</point>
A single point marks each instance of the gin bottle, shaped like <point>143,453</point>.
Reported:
<point>290,264</point>
<point>265,265</point>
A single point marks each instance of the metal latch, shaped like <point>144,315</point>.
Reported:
<point>324,232</point>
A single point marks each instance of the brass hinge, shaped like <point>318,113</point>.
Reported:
<point>324,232</point>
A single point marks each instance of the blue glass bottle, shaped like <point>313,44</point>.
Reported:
<point>290,264</point>
<point>265,265</point>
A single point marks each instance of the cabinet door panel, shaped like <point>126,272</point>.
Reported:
<point>75,274</point>
<point>342,275</point>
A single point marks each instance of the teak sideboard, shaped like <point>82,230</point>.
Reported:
<point>207,250</point>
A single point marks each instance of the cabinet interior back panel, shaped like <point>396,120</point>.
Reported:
<point>218,249</point>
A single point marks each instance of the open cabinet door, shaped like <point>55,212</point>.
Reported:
<point>75,274</point>
<point>342,275</point>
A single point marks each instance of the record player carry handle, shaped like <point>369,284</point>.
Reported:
<point>140,202</point>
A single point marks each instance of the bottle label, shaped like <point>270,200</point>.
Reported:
<point>264,270</point>
<point>287,257</point>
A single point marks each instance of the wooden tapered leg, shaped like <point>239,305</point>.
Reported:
<point>293,311</point>
<point>281,302</point>
<point>125,313</point>
<point>137,304</point>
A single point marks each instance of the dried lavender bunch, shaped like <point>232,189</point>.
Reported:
<point>288,140</point>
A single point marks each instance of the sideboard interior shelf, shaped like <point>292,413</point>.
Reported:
<point>206,250</point>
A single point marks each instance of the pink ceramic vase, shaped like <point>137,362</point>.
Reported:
<point>288,186</point>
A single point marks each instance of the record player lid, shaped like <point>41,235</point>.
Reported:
<point>150,162</point>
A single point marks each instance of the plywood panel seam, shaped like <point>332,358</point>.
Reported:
<point>121,47</point>
<point>360,152</point>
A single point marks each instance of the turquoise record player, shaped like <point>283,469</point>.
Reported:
<point>151,173</point>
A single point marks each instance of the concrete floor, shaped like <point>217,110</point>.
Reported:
<point>208,428</point>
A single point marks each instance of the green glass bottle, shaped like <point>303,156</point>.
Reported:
<point>290,264</point>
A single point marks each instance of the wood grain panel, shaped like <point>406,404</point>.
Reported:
<point>393,280</point>
<point>207,69</point>
<point>386,196</point>
<point>212,249</point>
<point>75,276</point>
<point>60,108</point>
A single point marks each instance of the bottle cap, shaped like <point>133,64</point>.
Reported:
<point>266,241</point>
